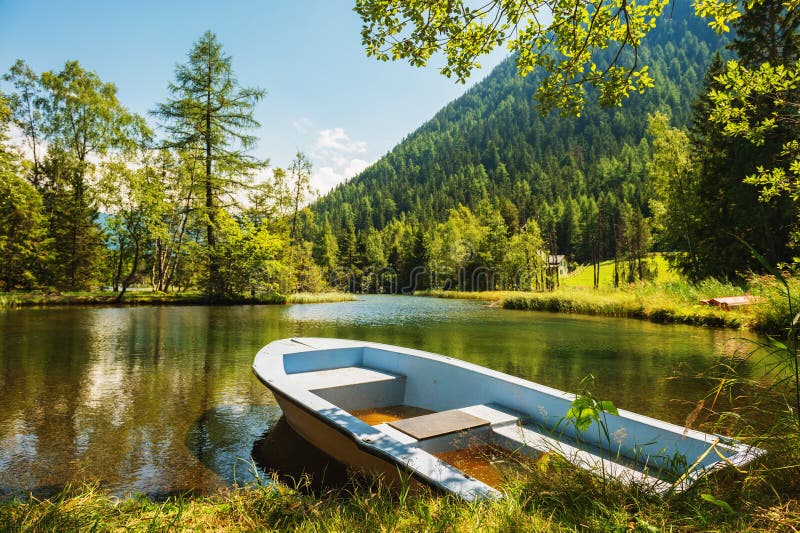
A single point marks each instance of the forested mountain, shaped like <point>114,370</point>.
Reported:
<point>489,193</point>
<point>492,151</point>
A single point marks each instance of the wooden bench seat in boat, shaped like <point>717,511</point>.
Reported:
<point>493,414</point>
<point>497,415</point>
<point>455,421</point>
<point>438,424</point>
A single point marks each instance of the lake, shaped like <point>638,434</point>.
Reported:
<point>162,399</point>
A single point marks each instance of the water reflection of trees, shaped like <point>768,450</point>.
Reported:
<point>159,399</point>
<point>111,395</point>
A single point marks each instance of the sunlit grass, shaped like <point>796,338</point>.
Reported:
<point>583,275</point>
<point>552,497</point>
<point>320,297</point>
<point>675,301</point>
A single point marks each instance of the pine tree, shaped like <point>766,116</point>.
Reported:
<point>727,208</point>
<point>209,112</point>
<point>767,32</point>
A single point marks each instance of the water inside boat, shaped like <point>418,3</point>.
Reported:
<point>488,463</point>
<point>391,413</point>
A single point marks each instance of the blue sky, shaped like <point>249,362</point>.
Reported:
<point>324,96</point>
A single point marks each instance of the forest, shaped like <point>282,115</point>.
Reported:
<point>655,174</point>
<point>483,196</point>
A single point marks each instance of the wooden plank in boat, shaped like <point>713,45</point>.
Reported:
<point>437,424</point>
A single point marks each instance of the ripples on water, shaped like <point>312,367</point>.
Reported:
<point>162,399</point>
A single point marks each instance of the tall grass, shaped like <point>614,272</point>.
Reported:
<point>677,301</point>
<point>551,496</point>
<point>673,302</point>
<point>320,297</point>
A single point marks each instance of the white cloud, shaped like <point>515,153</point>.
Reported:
<point>335,158</point>
<point>337,141</point>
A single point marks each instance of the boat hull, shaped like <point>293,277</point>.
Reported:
<point>321,384</point>
<point>340,446</point>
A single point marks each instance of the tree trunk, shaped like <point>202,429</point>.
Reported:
<point>132,275</point>
<point>118,273</point>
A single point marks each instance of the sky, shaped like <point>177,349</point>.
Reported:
<point>325,97</point>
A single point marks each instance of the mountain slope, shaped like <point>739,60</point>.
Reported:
<point>492,146</point>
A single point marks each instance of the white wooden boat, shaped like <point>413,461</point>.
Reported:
<point>324,387</point>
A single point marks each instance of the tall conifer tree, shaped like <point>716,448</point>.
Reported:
<point>210,112</point>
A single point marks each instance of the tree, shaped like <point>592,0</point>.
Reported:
<point>253,257</point>
<point>208,111</point>
<point>525,259</point>
<point>675,191</point>
<point>757,97</point>
<point>328,248</point>
<point>135,201</point>
<point>452,247</point>
<point>745,130</point>
<point>300,177</point>
<point>80,120</point>
<point>27,103</point>
<point>176,221</point>
<point>23,242</point>
<point>557,36</point>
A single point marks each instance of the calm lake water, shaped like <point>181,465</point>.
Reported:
<point>162,399</point>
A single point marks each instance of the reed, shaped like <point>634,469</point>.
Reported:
<point>676,301</point>
<point>320,297</point>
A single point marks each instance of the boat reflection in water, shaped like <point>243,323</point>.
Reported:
<point>284,453</point>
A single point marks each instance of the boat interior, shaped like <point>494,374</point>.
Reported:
<point>480,421</point>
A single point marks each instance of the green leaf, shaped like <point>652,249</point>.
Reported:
<point>607,406</point>
<point>719,503</point>
<point>777,344</point>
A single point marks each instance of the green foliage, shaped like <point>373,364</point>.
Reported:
<point>171,216</point>
<point>23,240</point>
<point>755,100</point>
<point>250,257</point>
<point>81,120</point>
<point>719,503</point>
<point>491,147</point>
<point>674,187</point>
<point>586,410</point>
<point>560,38</point>
<point>209,115</point>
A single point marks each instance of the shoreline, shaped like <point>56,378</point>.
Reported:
<point>143,298</point>
<point>643,303</point>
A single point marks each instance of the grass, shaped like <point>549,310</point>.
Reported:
<point>582,276</point>
<point>552,496</point>
<point>147,297</point>
<point>668,299</point>
<point>671,303</point>
<point>320,297</point>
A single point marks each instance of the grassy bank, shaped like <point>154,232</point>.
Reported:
<point>672,302</point>
<point>30,299</point>
<point>552,497</point>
